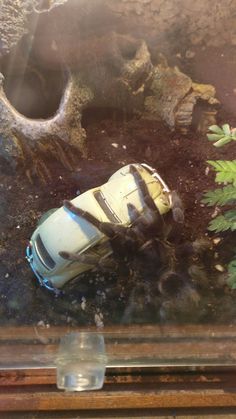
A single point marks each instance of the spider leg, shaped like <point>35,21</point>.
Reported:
<point>106,228</point>
<point>87,259</point>
<point>81,213</point>
<point>104,263</point>
<point>109,229</point>
<point>143,188</point>
<point>177,208</point>
<point>133,212</point>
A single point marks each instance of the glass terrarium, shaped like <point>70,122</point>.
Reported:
<point>117,179</point>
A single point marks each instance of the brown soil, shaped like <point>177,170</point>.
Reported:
<point>115,140</point>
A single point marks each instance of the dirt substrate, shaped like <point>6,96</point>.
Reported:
<point>114,140</point>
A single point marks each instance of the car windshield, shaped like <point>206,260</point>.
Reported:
<point>43,254</point>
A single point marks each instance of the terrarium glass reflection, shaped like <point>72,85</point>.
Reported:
<point>89,88</point>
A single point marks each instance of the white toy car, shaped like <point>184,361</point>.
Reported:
<point>63,230</point>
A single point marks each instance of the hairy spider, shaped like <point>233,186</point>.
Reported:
<point>142,250</point>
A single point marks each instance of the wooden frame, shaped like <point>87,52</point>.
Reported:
<point>189,367</point>
<point>146,389</point>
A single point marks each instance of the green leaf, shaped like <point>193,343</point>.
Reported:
<point>214,137</point>
<point>223,141</point>
<point>216,129</point>
<point>226,129</point>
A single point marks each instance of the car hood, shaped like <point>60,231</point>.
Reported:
<point>64,231</point>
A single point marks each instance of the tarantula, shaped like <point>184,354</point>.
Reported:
<point>142,249</point>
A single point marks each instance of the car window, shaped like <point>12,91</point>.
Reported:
<point>100,198</point>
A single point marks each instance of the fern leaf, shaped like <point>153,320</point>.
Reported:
<point>232,266</point>
<point>221,223</point>
<point>220,196</point>
<point>226,170</point>
<point>231,215</point>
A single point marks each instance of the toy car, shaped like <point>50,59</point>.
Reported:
<point>63,230</point>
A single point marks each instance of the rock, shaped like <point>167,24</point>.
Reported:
<point>136,71</point>
<point>174,96</point>
<point>169,86</point>
<point>13,22</point>
<point>124,89</point>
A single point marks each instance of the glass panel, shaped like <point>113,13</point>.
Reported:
<point>117,179</point>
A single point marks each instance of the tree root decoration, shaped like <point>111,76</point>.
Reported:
<point>31,141</point>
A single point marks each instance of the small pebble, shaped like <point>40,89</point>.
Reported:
<point>219,268</point>
<point>7,275</point>
<point>189,54</point>
<point>215,213</point>
<point>217,240</point>
<point>98,320</point>
<point>83,303</point>
<point>41,323</point>
<point>115,145</point>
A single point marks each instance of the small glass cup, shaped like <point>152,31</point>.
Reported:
<point>81,362</point>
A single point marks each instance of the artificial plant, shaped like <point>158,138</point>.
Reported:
<point>226,194</point>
